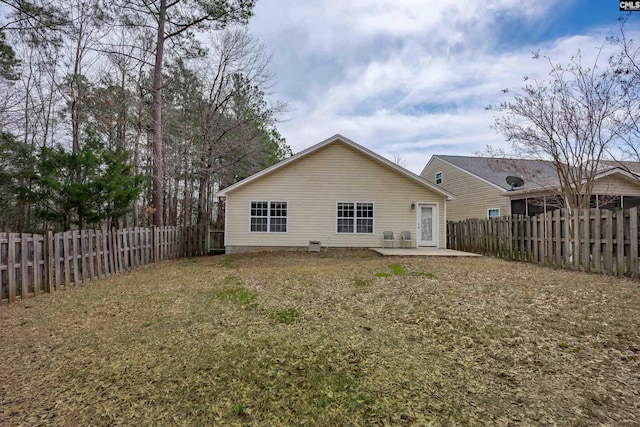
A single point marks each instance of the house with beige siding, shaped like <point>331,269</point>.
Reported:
<point>483,191</point>
<point>337,193</point>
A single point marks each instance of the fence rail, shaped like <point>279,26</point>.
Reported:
<point>592,240</point>
<point>32,264</point>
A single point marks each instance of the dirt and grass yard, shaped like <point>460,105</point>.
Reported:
<point>337,338</point>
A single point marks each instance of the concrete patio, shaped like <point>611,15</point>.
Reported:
<point>422,252</point>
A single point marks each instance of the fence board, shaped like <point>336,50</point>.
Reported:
<point>91,243</point>
<point>595,240</point>
<point>32,264</point>
<point>608,253</point>
<point>586,238</point>
<point>49,256</point>
<point>57,259</point>
<point>38,261</point>
<point>24,266</point>
<point>633,243</point>
<point>74,257</point>
<point>620,243</point>
<point>557,224</point>
<point>11,266</point>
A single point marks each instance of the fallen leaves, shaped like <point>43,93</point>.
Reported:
<point>328,341</point>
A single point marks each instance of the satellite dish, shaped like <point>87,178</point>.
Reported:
<point>515,181</point>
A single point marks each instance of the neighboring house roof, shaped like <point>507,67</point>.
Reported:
<point>337,139</point>
<point>604,172</point>
<point>633,167</point>
<point>535,173</point>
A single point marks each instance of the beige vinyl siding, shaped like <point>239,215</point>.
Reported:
<point>314,185</point>
<point>616,185</point>
<point>473,195</point>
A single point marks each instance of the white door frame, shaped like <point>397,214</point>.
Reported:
<point>436,227</point>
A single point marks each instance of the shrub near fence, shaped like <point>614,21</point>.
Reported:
<point>592,240</point>
<point>32,264</point>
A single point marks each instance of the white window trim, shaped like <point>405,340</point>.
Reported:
<point>441,178</point>
<point>268,216</point>
<point>355,219</point>
<point>493,209</point>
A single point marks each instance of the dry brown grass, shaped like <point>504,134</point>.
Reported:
<point>320,339</point>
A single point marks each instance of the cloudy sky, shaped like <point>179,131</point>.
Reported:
<point>413,77</point>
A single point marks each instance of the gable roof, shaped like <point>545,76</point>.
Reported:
<point>537,174</point>
<point>343,140</point>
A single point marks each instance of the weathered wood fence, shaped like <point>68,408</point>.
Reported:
<point>592,240</point>
<point>32,264</point>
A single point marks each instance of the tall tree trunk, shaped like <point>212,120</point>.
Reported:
<point>186,200</point>
<point>174,201</point>
<point>75,96</point>
<point>157,172</point>
<point>202,198</point>
<point>122,122</point>
<point>136,155</point>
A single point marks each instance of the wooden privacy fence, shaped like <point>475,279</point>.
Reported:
<point>32,264</point>
<point>592,240</point>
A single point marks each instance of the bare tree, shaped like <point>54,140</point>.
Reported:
<point>83,33</point>
<point>398,160</point>
<point>174,21</point>
<point>241,74</point>
<point>572,120</point>
<point>626,67</point>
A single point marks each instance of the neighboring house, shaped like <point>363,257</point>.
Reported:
<point>482,191</point>
<point>336,192</point>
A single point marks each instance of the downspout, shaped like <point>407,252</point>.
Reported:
<point>226,211</point>
<point>446,238</point>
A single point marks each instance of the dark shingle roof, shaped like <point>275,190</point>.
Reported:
<point>535,173</point>
<point>633,167</point>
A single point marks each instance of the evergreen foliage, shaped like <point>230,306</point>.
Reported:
<point>85,188</point>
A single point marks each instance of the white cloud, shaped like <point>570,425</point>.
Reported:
<point>407,77</point>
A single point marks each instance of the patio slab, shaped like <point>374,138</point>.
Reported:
<point>422,252</point>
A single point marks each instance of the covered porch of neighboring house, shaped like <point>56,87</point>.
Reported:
<point>532,206</point>
<point>422,252</point>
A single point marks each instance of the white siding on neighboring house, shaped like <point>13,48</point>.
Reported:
<point>312,187</point>
<point>474,196</point>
